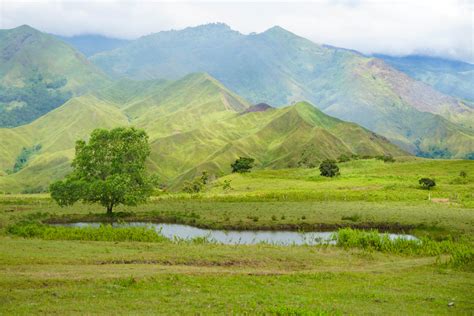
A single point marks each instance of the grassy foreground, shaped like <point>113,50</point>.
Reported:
<point>154,275</point>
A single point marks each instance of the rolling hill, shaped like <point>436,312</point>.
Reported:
<point>195,124</point>
<point>38,73</point>
<point>279,68</point>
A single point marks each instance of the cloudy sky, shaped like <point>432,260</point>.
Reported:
<point>434,27</point>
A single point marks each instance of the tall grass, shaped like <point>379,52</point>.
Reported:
<point>101,233</point>
<point>461,253</point>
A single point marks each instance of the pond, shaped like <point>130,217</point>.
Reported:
<point>234,237</point>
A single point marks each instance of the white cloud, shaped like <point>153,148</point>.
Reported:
<point>442,28</point>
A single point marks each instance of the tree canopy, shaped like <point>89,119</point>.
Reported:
<point>329,168</point>
<point>109,170</point>
<point>427,183</point>
<point>242,165</point>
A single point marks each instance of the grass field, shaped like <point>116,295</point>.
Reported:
<point>159,276</point>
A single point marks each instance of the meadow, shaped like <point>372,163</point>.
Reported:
<point>62,270</point>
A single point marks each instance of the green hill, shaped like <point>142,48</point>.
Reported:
<point>194,124</point>
<point>279,68</point>
<point>38,73</point>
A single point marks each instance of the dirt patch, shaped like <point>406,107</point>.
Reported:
<point>199,263</point>
<point>439,200</point>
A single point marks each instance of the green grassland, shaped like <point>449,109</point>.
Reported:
<point>109,273</point>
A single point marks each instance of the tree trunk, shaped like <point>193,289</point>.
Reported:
<point>109,209</point>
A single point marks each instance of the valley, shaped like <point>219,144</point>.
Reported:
<point>202,170</point>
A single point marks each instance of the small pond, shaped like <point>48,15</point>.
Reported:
<point>233,237</point>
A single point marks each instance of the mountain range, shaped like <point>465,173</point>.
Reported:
<point>192,91</point>
<point>279,67</point>
<point>194,124</point>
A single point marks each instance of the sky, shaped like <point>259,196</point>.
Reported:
<point>443,28</point>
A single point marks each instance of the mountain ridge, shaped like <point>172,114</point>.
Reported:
<point>184,136</point>
<point>279,67</point>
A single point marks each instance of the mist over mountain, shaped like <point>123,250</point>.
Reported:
<point>279,67</point>
<point>91,44</point>
<point>452,77</point>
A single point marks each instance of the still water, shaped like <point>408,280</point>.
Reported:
<point>234,237</point>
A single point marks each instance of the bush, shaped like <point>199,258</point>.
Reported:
<point>427,183</point>
<point>194,186</point>
<point>385,158</point>
<point>343,158</point>
<point>226,186</point>
<point>463,174</point>
<point>329,168</point>
<point>242,165</point>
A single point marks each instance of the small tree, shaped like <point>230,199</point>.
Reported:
<point>329,168</point>
<point>109,169</point>
<point>226,186</point>
<point>194,186</point>
<point>204,177</point>
<point>427,183</point>
<point>242,165</point>
<point>463,174</point>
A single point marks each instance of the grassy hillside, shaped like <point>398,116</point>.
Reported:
<point>279,68</point>
<point>194,124</point>
<point>451,77</point>
<point>38,73</point>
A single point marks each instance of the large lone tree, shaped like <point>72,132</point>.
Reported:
<point>109,169</point>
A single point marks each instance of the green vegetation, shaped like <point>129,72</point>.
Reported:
<point>124,267</point>
<point>102,233</point>
<point>452,77</point>
<point>23,158</point>
<point>178,115</point>
<point>109,169</point>
<point>427,183</point>
<point>22,105</point>
<point>329,168</point>
<point>38,73</point>
<point>343,83</point>
<point>462,253</point>
<point>242,165</point>
<point>56,268</point>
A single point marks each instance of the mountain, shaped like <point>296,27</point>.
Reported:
<point>38,73</point>
<point>455,78</point>
<point>279,67</point>
<point>194,123</point>
<point>90,44</point>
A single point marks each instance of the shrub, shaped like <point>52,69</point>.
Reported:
<point>329,168</point>
<point>463,174</point>
<point>194,186</point>
<point>385,158</point>
<point>242,165</point>
<point>427,183</point>
<point>343,158</point>
<point>204,177</point>
<point>226,186</point>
